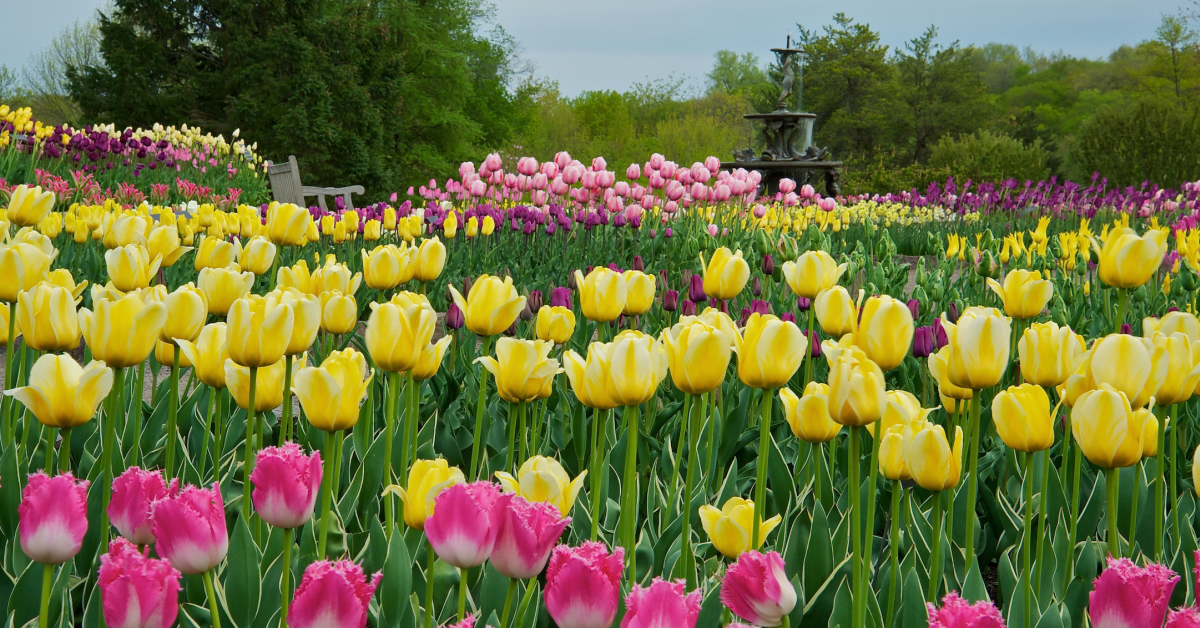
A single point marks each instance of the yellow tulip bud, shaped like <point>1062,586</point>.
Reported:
<point>61,393</point>
<point>1183,372</point>
<point>397,332</point>
<point>4,328</point>
<point>331,393</point>
<point>491,305</point>
<point>939,368</point>
<point>426,479</point>
<point>268,392</point>
<point>979,347</point>
<point>207,355</point>
<point>725,274</point>
<point>257,256</point>
<point>835,311</point>
<point>902,408</point>
<point>187,309</point>
<point>933,464</point>
<point>885,331</point>
<point>371,230</point>
<point>1109,432</point>
<point>856,388</point>
<point>769,351</point>
<point>590,379</point>
<point>731,528</point>
<point>472,227</point>
<point>287,224</point>
<point>259,329</point>
<point>22,265</point>
<point>808,416</point>
<point>164,352</point>
<point>350,218</point>
<point>1132,365</point>
<point>637,364</point>
<point>125,229</point>
<point>46,315</point>
<point>122,331</point>
<point>164,242</point>
<point>296,277</point>
<point>430,260</point>
<point>1049,353</point>
<point>1024,293</point>
<point>450,225</point>
<point>1128,260</point>
<point>812,273</point>
<point>555,324</point>
<point>223,286</point>
<point>214,252</point>
<point>430,360</point>
<point>697,355</point>
<point>334,276</point>
<point>339,314</point>
<point>389,218</point>
<point>542,479</point>
<point>521,368</point>
<point>28,206</point>
<point>489,225</point>
<point>891,450</point>
<point>602,294</point>
<point>1023,419</point>
<point>639,292</point>
<point>1177,321</point>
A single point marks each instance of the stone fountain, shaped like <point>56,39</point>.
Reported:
<point>789,152</point>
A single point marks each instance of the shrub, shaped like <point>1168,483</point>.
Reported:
<point>1149,140</point>
<point>986,156</point>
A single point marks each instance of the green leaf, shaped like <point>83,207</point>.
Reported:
<point>818,559</point>
<point>710,610</point>
<point>242,578</point>
<point>842,607</point>
<point>397,582</point>
<point>912,608</point>
<point>973,589</point>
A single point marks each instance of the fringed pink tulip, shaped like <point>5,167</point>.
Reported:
<point>286,485</point>
<point>332,595</point>
<point>959,613</point>
<point>464,523</point>
<point>1128,595</point>
<point>137,591</point>
<point>583,585</point>
<point>1184,618</point>
<point>757,590</point>
<point>467,622</point>
<point>52,517</point>
<point>190,528</point>
<point>133,494</point>
<point>663,604</point>
<point>526,534</point>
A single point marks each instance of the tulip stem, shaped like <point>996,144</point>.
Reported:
<point>47,580</point>
<point>511,429</point>
<point>212,599</point>
<point>64,451</point>
<point>1114,538</point>
<point>1073,528</point>
<point>172,415</point>
<point>1042,507</point>
<point>212,404</point>
<point>1028,532</point>
<point>1173,453</point>
<point>683,425</point>
<point>414,411</point>
<point>508,598</point>
<point>48,445</point>
<point>1122,303</point>
<point>326,491</point>
<point>869,522</point>
<point>10,429</point>
<point>476,458</point>
<point>808,361</point>
<point>686,529</point>
<point>137,414</point>
<point>393,401</point>
<point>430,559</point>
<point>597,433</point>
<point>972,480</point>
<point>285,431</point>
<point>818,454</point>
<point>853,464</point>
<point>462,593</point>
<point>285,593</point>
<point>935,563</point>
<point>894,547</point>
<point>764,457</point>
<point>1133,505</point>
<point>248,464</point>
<point>629,490</point>
<point>522,409</point>
<point>110,428</point>
<point>1159,489</point>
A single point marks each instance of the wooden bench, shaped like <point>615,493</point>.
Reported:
<point>286,186</point>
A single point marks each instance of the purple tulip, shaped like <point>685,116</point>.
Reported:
<point>803,304</point>
<point>696,289</point>
<point>454,317</point>
<point>671,300</point>
<point>914,307</point>
<point>688,308</point>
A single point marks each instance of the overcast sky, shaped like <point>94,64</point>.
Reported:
<point>612,43</point>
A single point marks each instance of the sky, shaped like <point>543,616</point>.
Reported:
<point>611,44</point>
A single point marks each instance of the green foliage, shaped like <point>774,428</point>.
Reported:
<point>1147,141</point>
<point>987,156</point>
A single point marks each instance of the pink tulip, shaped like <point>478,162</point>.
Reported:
<point>583,585</point>
<point>133,494</point>
<point>713,230</point>
<point>571,174</point>
<point>661,605</point>
<point>527,166</point>
<point>756,589</point>
<point>1184,618</point>
<point>550,169</point>
<point>599,164</point>
<point>286,485</point>
<point>722,192</point>
<point>137,591</point>
<point>958,613</point>
<point>808,191</point>
<point>760,211</point>
<point>787,185</point>
<point>463,526</point>
<point>464,169</point>
<point>526,533</point>
<point>713,164</point>
<point>562,159</point>
<point>467,622</point>
<point>493,162</point>
<point>478,188</point>
<point>332,595</point>
<point>1128,595</point>
<point>827,204</point>
<point>190,528</point>
<point>633,172</point>
<point>667,169</point>
<point>656,161</point>
<point>52,517</point>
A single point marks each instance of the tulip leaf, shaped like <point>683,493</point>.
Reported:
<point>1007,575</point>
<point>820,605</point>
<point>396,585</point>
<point>10,491</point>
<point>973,589</point>
<point>194,616</point>
<point>242,578</point>
<point>1050,619</point>
<point>912,606</point>
<point>711,608</point>
<point>268,609</point>
<point>780,479</point>
<point>818,559</point>
<point>842,607</point>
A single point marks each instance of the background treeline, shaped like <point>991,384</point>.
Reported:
<point>389,94</point>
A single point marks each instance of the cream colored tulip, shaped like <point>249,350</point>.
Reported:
<point>257,255</point>
<point>697,355</point>
<point>430,359</point>
<point>637,364</point>
<point>979,347</point>
<point>555,324</point>
<point>46,316</point>
<point>902,408</point>
<point>61,393</point>
<point>259,330</point>
<point>639,292</point>
<point>187,310</point>
<point>835,311</point>
<point>397,333</point>
<point>27,206</point>
<point>1183,372</point>
<point>1132,365</point>
<point>335,276</point>
<point>207,354</point>
<point>808,416</point>
<point>339,314</point>
<point>521,368</point>
<point>812,273</point>
<point>1049,354</point>
<point>332,393</point>
<point>130,267</point>
<point>590,379</point>
<point>215,252</point>
<point>769,351</point>
<point>1171,322</point>
<point>602,294</point>
<point>1024,293</point>
<point>121,332</point>
<point>164,242</point>
<point>491,305</point>
<point>542,479</point>
<point>1108,430</point>
<point>856,389</point>
<point>725,274</point>
<point>306,318</point>
<point>268,388</point>
<point>885,331</point>
<point>223,286</point>
<point>931,461</point>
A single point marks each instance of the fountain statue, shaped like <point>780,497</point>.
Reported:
<point>782,131</point>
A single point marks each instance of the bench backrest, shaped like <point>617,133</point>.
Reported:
<point>285,182</point>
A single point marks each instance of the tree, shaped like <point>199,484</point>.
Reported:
<point>8,85</point>
<point>1177,53</point>
<point>77,46</point>
<point>732,74</point>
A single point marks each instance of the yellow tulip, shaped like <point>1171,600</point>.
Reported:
<point>28,206</point>
<point>257,256</point>
<point>1109,432</point>
<point>207,355</point>
<point>637,365</point>
<point>335,276</point>
<point>296,276</point>
<point>521,368</point>
<point>1128,260</point>
<point>4,327</point>
<point>397,333</point>
<point>933,464</point>
<point>542,479</point>
<point>1177,321</point>
<point>62,277</point>
<point>339,314</point>
<point>891,450</point>
<point>590,379</point>
<point>491,305</point>
<point>856,389</point>
<point>122,331</point>
<point>29,235</point>
<point>731,528</point>
<point>489,225</point>
<point>885,332</point>
<point>979,347</point>
<point>1024,293</point>
<point>808,416</point>
<point>716,319</point>
<point>214,252</point>
<point>1149,432</point>
<point>164,352</point>
<point>639,292</point>
<point>331,393</point>
<point>1196,470</point>
<point>835,311</point>
<point>430,259</point>
<point>812,273</point>
<point>63,394</point>
<point>450,225</point>
<point>164,242</point>
<point>939,368</point>
<point>1023,418</point>
<point>130,267</point>
<point>472,227</point>
<point>1183,372</point>
<point>187,309</point>
<point>769,351</point>
<point>1132,365</point>
<point>259,330</point>
<point>602,294</point>
<point>268,391</point>
<point>555,324</point>
<point>223,286</point>
<point>1049,353</point>
<point>47,317</point>
<point>902,408</point>
<point>697,355</point>
<point>384,266</point>
<point>426,479</point>
<point>725,274</point>
<point>371,230</point>
<point>430,360</point>
<point>287,224</point>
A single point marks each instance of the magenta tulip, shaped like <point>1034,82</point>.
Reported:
<point>583,585</point>
<point>469,620</point>
<point>332,595</point>
<point>190,528</point>
<point>663,604</point>
<point>52,517</point>
<point>1128,595</point>
<point>959,613</point>
<point>463,526</point>
<point>137,591</point>
<point>526,533</point>
<point>757,590</point>
<point>133,494</point>
<point>1184,618</point>
<point>286,485</point>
